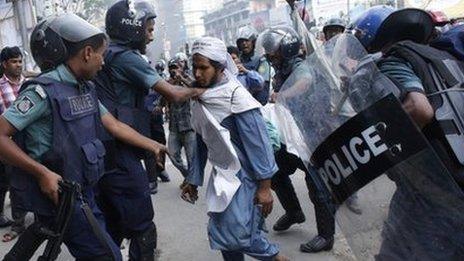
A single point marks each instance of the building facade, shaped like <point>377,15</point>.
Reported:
<point>18,18</point>
<point>193,12</point>
<point>224,22</point>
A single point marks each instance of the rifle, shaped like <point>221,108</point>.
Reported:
<point>37,233</point>
<point>65,210</point>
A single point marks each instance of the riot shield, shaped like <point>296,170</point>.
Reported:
<point>412,209</point>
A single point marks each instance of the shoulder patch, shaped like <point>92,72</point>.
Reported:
<point>24,105</point>
<point>40,91</point>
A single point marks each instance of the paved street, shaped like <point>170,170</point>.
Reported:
<point>182,227</point>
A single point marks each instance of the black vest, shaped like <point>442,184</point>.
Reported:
<point>76,153</point>
<point>442,76</point>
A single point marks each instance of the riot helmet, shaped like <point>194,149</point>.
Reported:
<point>182,60</point>
<point>333,27</point>
<point>282,39</point>
<point>173,63</point>
<point>366,26</point>
<point>334,22</point>
<point>160,66</point>
<point>126,20</point>
<point>405,24</point>
<point>246,33</point>
<point>181,57</point>
<point>49,38</point>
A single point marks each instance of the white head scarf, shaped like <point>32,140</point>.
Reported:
<point>215,50</point>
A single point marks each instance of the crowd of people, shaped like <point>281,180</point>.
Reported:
<point>93,120</point>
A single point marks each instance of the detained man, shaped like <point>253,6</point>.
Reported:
<point>232,136</point>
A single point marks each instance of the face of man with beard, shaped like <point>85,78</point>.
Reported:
<point>205,71</point>
<point>149,36</point>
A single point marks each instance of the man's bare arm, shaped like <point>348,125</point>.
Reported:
<point>419,108</point>
<point>13,155</point>
<point>126,134</point>
<point>176,93</point>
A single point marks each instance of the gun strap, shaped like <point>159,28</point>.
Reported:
<point>96,228</point>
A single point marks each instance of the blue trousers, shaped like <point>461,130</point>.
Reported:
<point>239,256</point>
<point>125,200</point>
<point>176,141</point>
<point>80,238</point>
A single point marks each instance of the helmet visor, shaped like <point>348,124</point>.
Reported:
<point>269,41</point>
<point>72,28</point>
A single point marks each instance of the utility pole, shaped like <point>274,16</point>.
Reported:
<point>348,8</point>
<point>19,9</point>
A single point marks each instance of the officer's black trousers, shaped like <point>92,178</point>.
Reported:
<point>282,185</point>
<point>18,215</point>
<point>156,133</point>
<point>4,183</point>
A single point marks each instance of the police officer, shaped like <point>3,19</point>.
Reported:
<point>124,191</point>
<point>55,121</point>
<point>400,36</point>
<point>333,27</point>
<point>282,45</point>
<point>160,67</point>
<point>246,41</point>
<point>183,61</point>
<point>152,102</point>
<point>181,133</point>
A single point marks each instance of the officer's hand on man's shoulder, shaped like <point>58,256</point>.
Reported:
<point>198,91</point>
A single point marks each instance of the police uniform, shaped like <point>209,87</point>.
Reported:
<point>156,133</point>
<point>57,123</point>
<point>124,192</point>
<point>289,163</point>
<point>261,65</point>
<point>407,233</point>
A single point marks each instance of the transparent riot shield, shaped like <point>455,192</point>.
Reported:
<point>412,209</point>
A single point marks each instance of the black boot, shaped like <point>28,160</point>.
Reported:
<point>287,220</point>
<point>353,205</point>
<point>146,244</point>
<point>317,244</point>
<point>164,176</point>
<point>153,187</point>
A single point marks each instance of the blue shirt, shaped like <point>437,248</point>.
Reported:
<point>132,77</point>
<point>252,81</point>
<point>402,73</point>
<point>32,112</point>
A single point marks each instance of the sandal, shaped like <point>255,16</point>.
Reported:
<point>10,236</point>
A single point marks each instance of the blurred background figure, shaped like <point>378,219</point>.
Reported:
<point>181,134</point>
<point>246,41</point>
<point>12,68</point>
<point>250,79</point>
<point>160,68</point>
